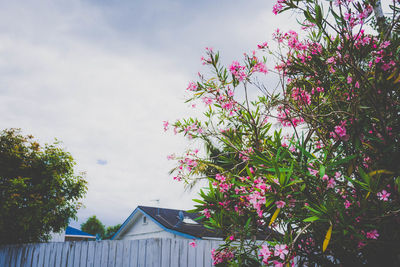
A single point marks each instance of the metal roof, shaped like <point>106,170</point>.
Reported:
<point>70,231</point>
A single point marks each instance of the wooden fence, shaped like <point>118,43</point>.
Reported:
<point>147,252</point>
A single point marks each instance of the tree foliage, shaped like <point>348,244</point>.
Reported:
<point>94,227</point>
<point>315,158</point>
<point>111,230</point>
<point>39,191</point>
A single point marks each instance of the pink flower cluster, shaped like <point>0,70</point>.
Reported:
<point>222,256</point>
<point>186,164</point>
<point>207,213</point>
<point>245,154</point>
<point>278,6</point>
<point>238,71</point>
<point>192,86</point>
<point>222,183</point>
<point>257,199</point>
<point>301,96</point>
<point>372,234</point>
<point>340,132</point>
<point>287,119</point>
<point>280,250</point>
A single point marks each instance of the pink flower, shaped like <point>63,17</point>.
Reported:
<point>361,245</point>
<point>385,44</point>
<point>313,172</point>
<point>170,157</point>
<point>281,251</point>
<point>260,67</point>
<point>280,204</point>
<point>340,132</point>
<point>263,45</point>
<point>265,253</point>
<point>349,79</point>
<point>372,234</point>
<point>347,204</point>
<point>278,264</point>
<point>192,244</point>
<point>383,195</point>
<point>330,60</point>
<point>238,71</point>
<point>331,183</point>
<point>231,238</point>
<point>192,86</point>
<point>207,100</point>
<point>165,124</point>
<point>278,7</point>
<point>207,213</point>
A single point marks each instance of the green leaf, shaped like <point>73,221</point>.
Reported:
<point>342,161</point>
<point>308,16</point>
<point>364,176</point>
<point>269,202</point>
<point>318,15</point>
<point>321,171</point>
<point>313,210</point>
<point>246,227</point>
<point>311,219</point>
<point>199,201</point>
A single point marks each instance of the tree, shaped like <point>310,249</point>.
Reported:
<point>93,226</point>
<point>111,230</point>
<point>39,191</point>
<point>331,185</point>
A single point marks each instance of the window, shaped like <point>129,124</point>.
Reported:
<point>144,220</point>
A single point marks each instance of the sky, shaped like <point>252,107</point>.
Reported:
<point>102,75</point>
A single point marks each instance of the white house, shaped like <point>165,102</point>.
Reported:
<point>153,222</point>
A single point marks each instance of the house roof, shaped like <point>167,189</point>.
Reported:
<point>184,224</point>
<point>73,232</point>
<point>174,221</point>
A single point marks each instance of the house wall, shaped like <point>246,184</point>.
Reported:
<point>139,230</point>
<point>57,237</point>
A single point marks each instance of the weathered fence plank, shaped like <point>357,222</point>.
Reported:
<point>111,254</point>
<point>58,254</point>
<point>104,253</point>
<point>29,256</point>
<point>166,252</point>
<point>90,254</point>
<point>84,251</point>
<point>126,249</point>
<point>134,251</point>
<point>191,258</point>
<point>199,253</point>
<point>142,253</point>
<point>183,248</point>
<point>77,253</point>
<point>175,253</point>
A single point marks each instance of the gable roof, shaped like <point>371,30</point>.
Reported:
<point>177,222</point>
<point>73,232</point>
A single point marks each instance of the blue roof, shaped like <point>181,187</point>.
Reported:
<point>73,231</point>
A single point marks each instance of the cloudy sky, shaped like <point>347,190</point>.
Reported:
<point>102,75</point>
